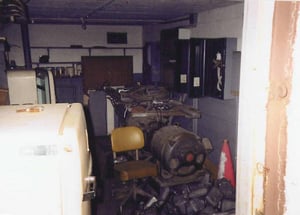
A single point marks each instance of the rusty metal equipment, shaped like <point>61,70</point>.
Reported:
<point>147,107</point>
<point>183,186</point>
<point>180,152</point>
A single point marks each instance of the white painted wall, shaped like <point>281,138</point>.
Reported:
<point>151,33</point>
<point>62,35</point>
<point>221,22</point>
<point>66,35</point>
<point>254,83</point>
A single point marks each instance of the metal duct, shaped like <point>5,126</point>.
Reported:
<point>13,11</point>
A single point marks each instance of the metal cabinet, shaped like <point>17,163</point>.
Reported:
<point>206,67</point>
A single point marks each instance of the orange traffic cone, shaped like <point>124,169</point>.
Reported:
<point>226,166</point>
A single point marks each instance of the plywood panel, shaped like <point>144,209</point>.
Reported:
<point>106,70</point>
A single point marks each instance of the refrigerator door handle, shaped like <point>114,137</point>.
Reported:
<point>90,192</point>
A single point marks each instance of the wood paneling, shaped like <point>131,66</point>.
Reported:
<point>99,71</point>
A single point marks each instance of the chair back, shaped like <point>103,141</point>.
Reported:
<point>126,139</point>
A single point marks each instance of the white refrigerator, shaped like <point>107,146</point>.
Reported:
<point>45,162</point>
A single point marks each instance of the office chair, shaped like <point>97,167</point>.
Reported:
<point>131,138</point>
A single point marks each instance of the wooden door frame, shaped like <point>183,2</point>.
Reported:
<point>269,116</point>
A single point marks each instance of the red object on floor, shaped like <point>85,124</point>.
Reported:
<point>226,169</point>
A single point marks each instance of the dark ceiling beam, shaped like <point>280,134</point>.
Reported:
<point>94,21</point>
<point>192,18</point>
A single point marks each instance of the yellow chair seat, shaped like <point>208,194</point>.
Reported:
<point>135,169</point>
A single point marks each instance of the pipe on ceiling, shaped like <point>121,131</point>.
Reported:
<point>13,11</point>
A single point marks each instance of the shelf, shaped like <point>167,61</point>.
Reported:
<point>71,53</point>
<point>68,77</point>
<point>62,69</point>
<point>82,47</point>
<point>59,63</point>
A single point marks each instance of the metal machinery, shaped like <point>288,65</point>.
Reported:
<point>39,85</point>
<point>148,107</point>
<point>180,152</point>
<point>45,160</point>
<point>183,186</point>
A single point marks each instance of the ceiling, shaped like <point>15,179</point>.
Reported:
<point>116,11</point>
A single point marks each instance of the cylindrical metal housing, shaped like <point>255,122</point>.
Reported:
<point>179,151</point>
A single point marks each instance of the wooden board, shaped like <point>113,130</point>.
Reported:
<point>106,70</point>
<point>4,100</point>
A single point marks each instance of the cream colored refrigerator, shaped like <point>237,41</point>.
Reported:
<point>45,162</point>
